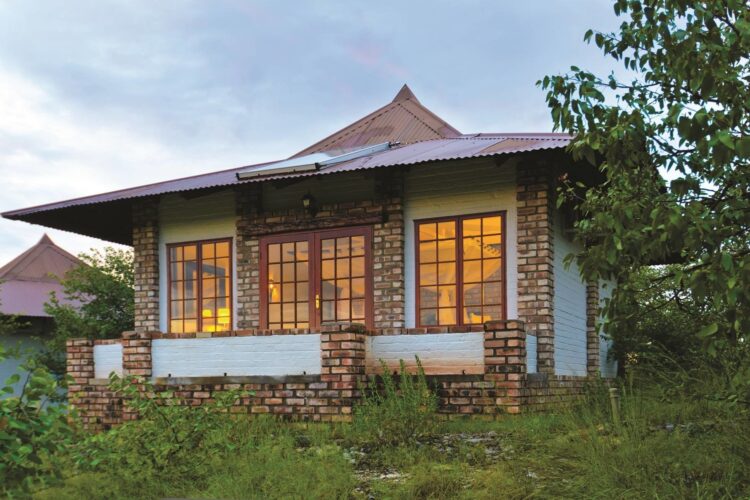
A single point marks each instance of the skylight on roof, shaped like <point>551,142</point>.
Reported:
<point>311,162</point>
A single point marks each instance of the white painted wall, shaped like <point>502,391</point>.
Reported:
<point>439,354</point>
<point>182,220</point>
<point>442,190</point>
<point>569,309</point>
<point>531,359</point>
<point>275,355</point>
<point>107,359</point>
<point>608,367</point>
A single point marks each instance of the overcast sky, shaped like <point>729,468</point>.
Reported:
<point>98,95</point>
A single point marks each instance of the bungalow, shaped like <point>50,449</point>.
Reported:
<point>395,236</point>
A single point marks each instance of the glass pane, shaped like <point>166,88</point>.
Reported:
<point>328,289</point>
<point>342,310</point>
<point>207,251</point>
<point>175,253</point>
<point>428,252</point>
<point>358,245</point>
<point>358,267</point>
<point>491,225</point>
<point>491,247</point>
<point>175,326</point>
<point>342,289</point>
<point>222,267</point>
<point>446,273</point>
<point>191,270</point>
<point>190,309</point>
<point>209,288</point>
<point>176,310</point>
<point>303,310</point>
<point>473,315</point>
<point>427,274</point>
<point>209,325</point>
<point>189,252</point>
<point>342,268</point>
<point>287,252</point>
<point>342,247</point>
<point>358,287</point>
<point>472,227</point>
<point>492,312</point>
<point>428,296</point>
<point>208,268</point>
<point>176,271</point>
<point>358,309</point>
<point>428,317</point>
<point>190,326</point>
<point>176,291</point>
<point>287,271</point>
<point>274,273</point>
<point>301,250</point>
<point>223,324</point>
<point>222,249</point>
<point>472,248</point>
<point>472,271</point>
<point>274,292</point>
<point>473,295</point>
<point>327,249</point>
<point>493,293</point>
<point>447,316</point>
<point>274,313</point>
<point>302,268</point>
<point>287,312</point>
<point>302,292</point>
<point>208,309</point>
<point>327,311</point>
<point>274,252</point>
<point>328,269</point>
<point>492,270</point>
<point>222,306</point>
<point>274,326</point>
<point>447,250</point>
<point>287,292</point>
<point>446,296</point>
<point>446,230</point>
<point>223,288</point>
<point>427,231</point>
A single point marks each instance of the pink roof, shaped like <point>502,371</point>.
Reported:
<point>27,281</point>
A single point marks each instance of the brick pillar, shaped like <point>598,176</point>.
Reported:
<point>592,335</point>
<point>505,363</point>
<point>536,259</point>
<point>388,263</point>
<point>136,360</point>
<point>80,367</point>
<point>146,256</point>
<point>247,250</point>
<point>343,360</point>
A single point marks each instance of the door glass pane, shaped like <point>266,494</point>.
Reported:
<point>288,272</point>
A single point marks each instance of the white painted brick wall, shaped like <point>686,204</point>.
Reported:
<point>275,355</point>
<point>107,359</point>
<point>440,354</point>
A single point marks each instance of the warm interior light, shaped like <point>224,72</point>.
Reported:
<point>207,313</point>
<point>223,316</point>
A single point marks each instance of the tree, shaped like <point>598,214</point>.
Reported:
<point>103,289</point>
<point>672,141</point>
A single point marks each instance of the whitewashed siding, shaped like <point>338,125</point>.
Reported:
<point>531,354</point>
<point>464,188</point>
<point>439,354</point>
<point>107,359</point>
<point>608,367</point>
<point>181,220</point>
<point>569,309</point>
<point>275,355</point>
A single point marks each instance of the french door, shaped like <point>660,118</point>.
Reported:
<point>316,277</point>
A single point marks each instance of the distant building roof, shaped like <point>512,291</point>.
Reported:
<point>27,281</point>
<point>418,136</point>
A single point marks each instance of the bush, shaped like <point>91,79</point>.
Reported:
<point>32,431</point>
<point>393,414</point>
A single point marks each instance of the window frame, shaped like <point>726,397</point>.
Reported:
<point>199,282</point>
<point>458,219</point>
<point>313,238</point>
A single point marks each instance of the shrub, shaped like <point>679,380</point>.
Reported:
<point>392,414</point>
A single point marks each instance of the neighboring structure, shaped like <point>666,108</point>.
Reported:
<point>26,283</point>
<point>394,236</point>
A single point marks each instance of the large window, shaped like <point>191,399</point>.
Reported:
<point>316,277</point>
<point>460,270</point>
<point>200,286</point>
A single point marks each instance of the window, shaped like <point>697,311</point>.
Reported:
<point>200,286</point>
<point>460,270</point>
<point>316,277</point>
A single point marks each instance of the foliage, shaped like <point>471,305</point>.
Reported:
<point>104,288</point>
<point>682,111</point>
<point>32,431</point>
<point>395,414</point>
<point>169,437</point>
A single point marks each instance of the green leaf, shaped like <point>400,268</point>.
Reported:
<point>708,330</point>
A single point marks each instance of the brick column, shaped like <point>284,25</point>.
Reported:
<point>536,259</point>
<point>146,256</point>
<point>505,363</point>
<point>592,335</point>
<point>80,366</point>
<point>247,250</point>
<point>343,359</point>
<point>388,264</point>
<point>136,361</point>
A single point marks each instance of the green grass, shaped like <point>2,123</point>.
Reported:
<point>664,448</point>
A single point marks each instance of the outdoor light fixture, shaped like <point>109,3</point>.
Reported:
<point>309,203</point>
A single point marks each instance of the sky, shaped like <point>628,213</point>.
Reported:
<point>102,95</point>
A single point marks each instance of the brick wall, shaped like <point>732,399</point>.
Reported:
<point>536,258</point>
<point>146,253</point>
<point>592,334</point>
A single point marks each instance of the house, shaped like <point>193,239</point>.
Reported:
<point>26,283</point>
<point>395,236</point>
